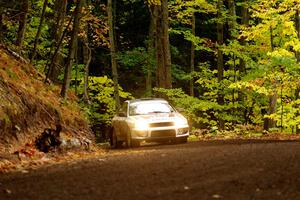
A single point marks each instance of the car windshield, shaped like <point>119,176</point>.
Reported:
<point>151,107</point>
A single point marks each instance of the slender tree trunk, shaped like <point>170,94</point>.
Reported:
<point>232,21</point>
<point>1,26</point>
<point>271,38</point>
<point>242,62</point>
<point>56,52</point>
<point>54,68</point>
<point>297,24</point>
<point>76,68</point>
<point>22,24</point>
<point>73,42</point>
<point>87,57</point>
<point>87,61</point>
<point>245,22</point>
<point>232,30</point>
<point>162,44</point>
<point>220,60</point>
<point>272,109</point>
<point>113,53</point>
<point>166,43</point>
<point>150,49</point>
<point>271,123</point>
<point>114,11</point>
<point>149,80</point>
<point>160,62</point>
<point>37,37</point>
<point>297,96</point>
<point>193,56</point>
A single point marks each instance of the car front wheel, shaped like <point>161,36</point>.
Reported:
<point>128,139</point>
<point>181,140</point>
<point>114,140</point>
<point>131,142</point>
<point>135,143</point>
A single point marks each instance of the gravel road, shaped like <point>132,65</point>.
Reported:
<point>235,169</point>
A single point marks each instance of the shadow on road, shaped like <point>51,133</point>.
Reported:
<point>204,143</point>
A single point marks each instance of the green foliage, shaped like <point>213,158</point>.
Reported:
<point>138,58</point>
<point>268,46</point>
<point>201,113</point>
<point>290,114</point>
<point>101,93</point>
<point>200,43</point>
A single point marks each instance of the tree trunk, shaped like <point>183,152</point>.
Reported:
<point>162,45</point>
<point>150,49</point>
<point>193,56</point>
<point>242,65</point>
<point>114,11</point>
<point>73,42</point>
<point>271,123</point>
<point>232,21</point>
<point>160,62</point>
<point>22,24</point>
<point>57,49</point>
<point>58,27</point>
<point>220,61</point>
<point>166,44</point>
<point>272,110</point>
<point>76,67</point>
<point>87,57</point>
<point>232,31</point>
<point>37,37</point>
<point>1,26</point>
<point>297,107</point>
<point>87,60</point>
<point>297,24</point>
<point>113,53</point>
<point>245,22</point>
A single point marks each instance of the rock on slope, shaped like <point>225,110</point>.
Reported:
<point>28,106</point>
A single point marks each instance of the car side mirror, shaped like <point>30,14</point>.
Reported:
<point>122,114</point>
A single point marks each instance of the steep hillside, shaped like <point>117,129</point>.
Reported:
<point>28,106</point>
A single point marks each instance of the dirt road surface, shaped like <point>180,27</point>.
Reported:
<point>196,170</point>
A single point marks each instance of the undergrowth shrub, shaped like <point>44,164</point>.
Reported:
<point>102,107</point>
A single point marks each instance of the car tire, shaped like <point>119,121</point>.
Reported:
<point>128,140</point>
<point>181,140</point>
<point>135,143</point>
<point>114,143</point>
<point>164,142</point>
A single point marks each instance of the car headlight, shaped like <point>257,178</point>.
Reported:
<point>141,125</point>
<point>180,121</point>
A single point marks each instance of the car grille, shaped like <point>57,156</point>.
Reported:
<point>161,124</point>
<point>163,133</point>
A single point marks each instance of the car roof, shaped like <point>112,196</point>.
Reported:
<point>147,99</point>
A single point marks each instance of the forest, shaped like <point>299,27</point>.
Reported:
<point>224,63</point>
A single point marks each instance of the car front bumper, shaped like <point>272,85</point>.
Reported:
<point>160,133</point>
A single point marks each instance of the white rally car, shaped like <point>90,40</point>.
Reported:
<point>148,120</point>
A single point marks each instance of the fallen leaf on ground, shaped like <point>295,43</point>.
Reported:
<point>7,191</point>
<point>216,196</point>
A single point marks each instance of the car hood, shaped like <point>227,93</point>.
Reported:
<point>159,117</point>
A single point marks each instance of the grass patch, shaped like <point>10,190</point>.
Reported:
<point>193,138</point>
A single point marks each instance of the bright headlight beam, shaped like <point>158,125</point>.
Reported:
<point>179,121</point>
<point>141,125</point>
